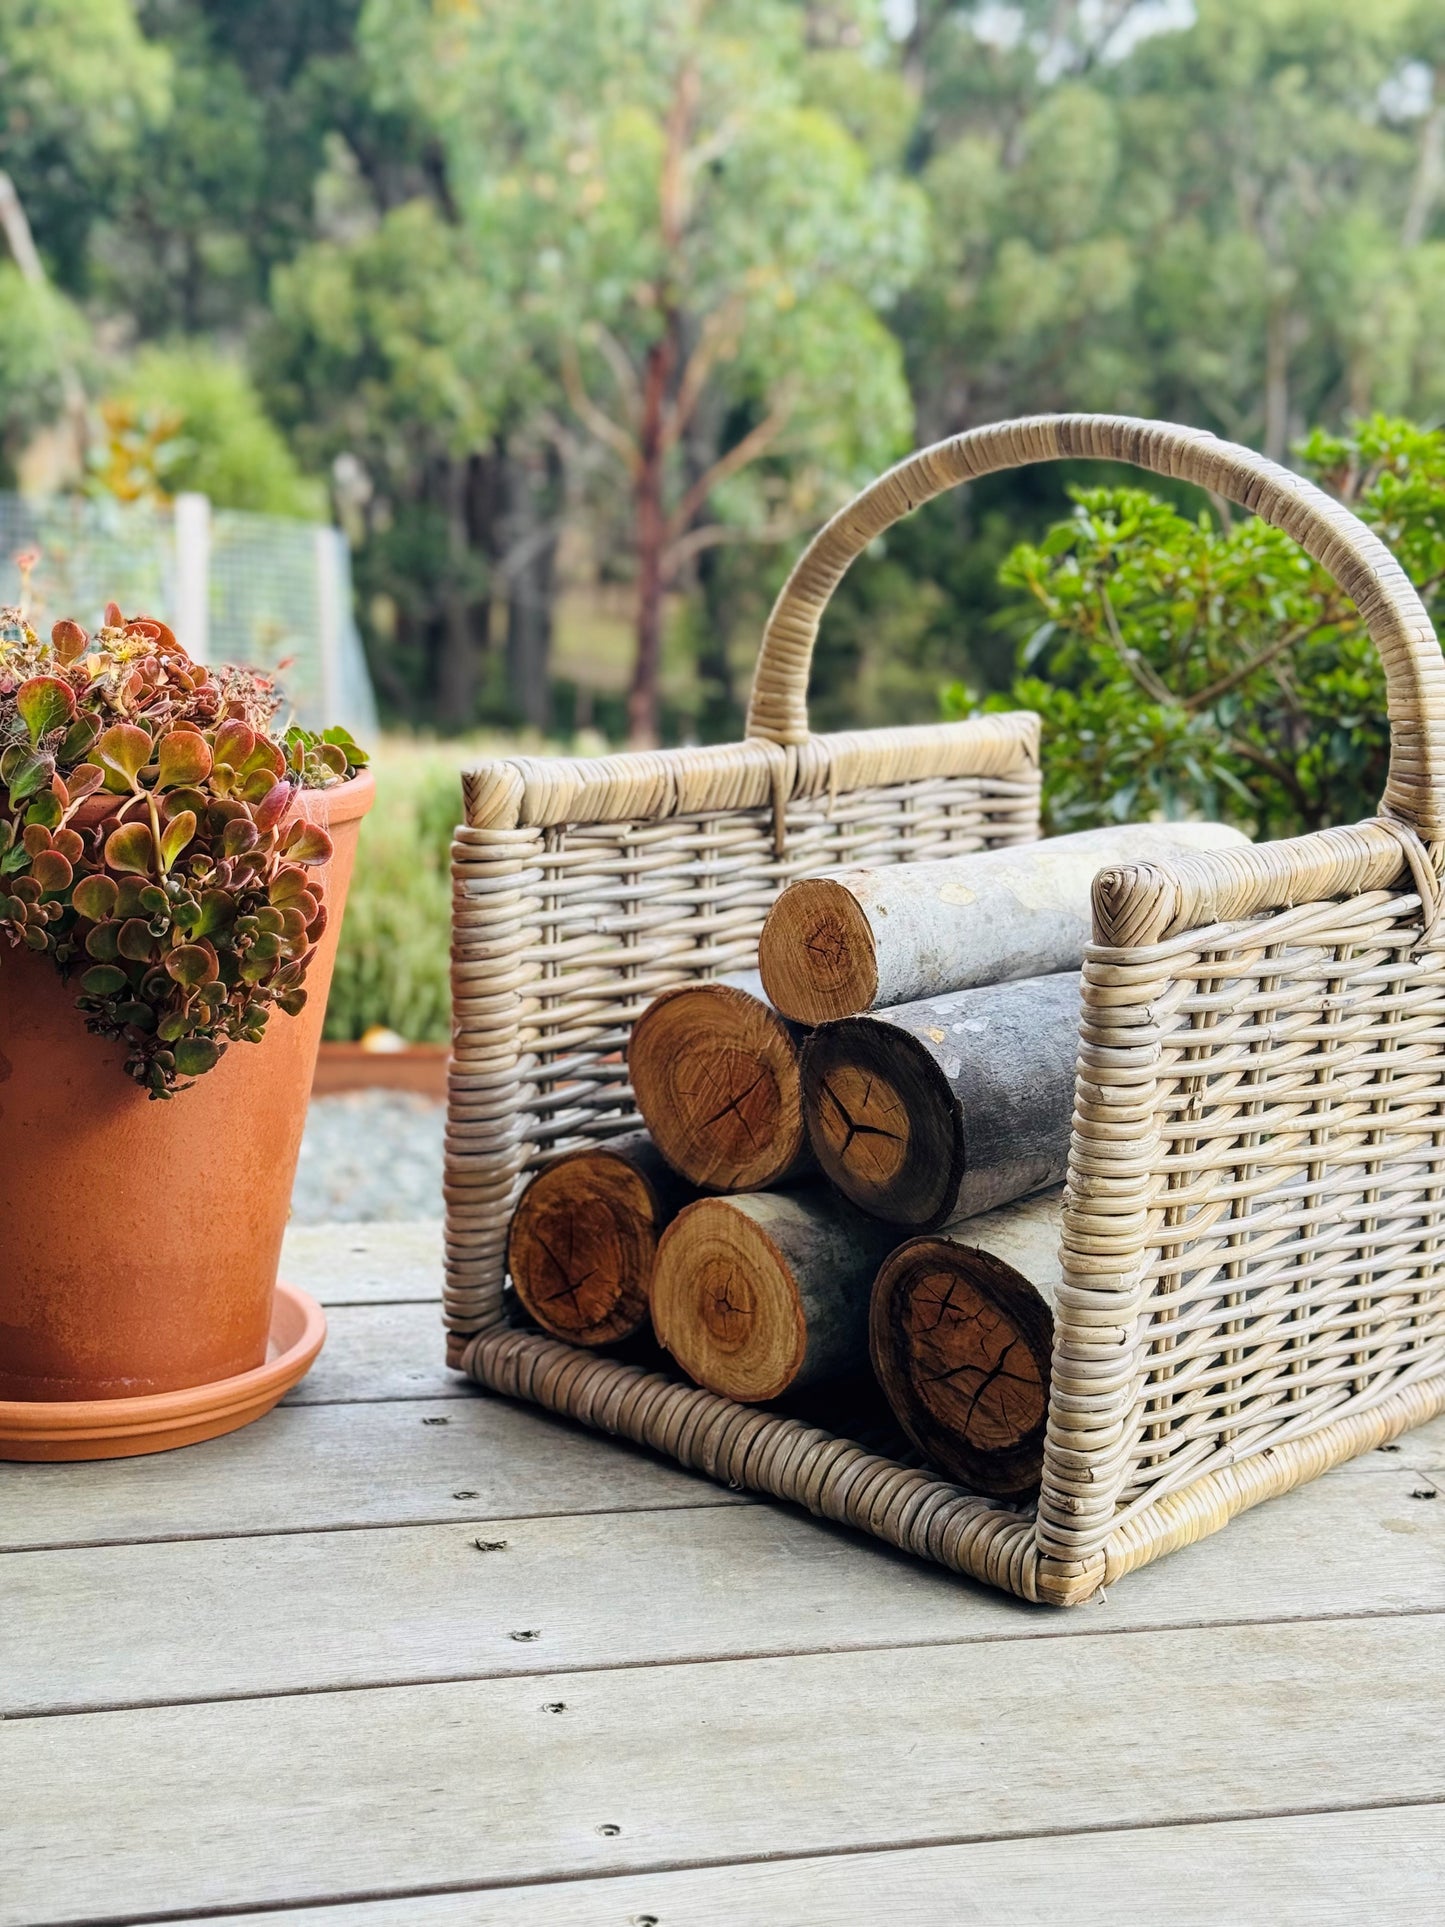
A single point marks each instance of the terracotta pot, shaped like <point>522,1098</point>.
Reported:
<point>139,1241</point>
<point>420,1069</point>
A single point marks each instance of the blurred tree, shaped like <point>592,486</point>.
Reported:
<point>698,250</point>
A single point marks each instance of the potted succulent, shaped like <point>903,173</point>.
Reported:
<point>173,872</point>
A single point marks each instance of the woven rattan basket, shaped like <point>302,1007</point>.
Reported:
<point>1256,1197</point>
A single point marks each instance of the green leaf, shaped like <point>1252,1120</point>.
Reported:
<point>95,897</point>
<point>44,703</point>
<point>51,871</point>
<point>30,774</point>
<point>105,980</point>
<point>103,943</point>
<point>122,752</point>
<point>45,811</point>
<point>196,1055</point>
<point>176,835</point>
<point>130,848</point>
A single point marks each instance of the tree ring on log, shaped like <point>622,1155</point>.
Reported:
<point>961,1345</point>
<point>725,1304</point>
<point>582,1246</point>
<point>817,956</point>
<point>884,1124</point>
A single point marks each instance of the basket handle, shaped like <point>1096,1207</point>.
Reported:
<point>1357,559</point>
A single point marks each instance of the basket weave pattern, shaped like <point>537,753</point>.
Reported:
<point>1256,1194</point>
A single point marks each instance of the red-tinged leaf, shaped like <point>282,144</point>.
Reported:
<point>307,843</point>
<point>176,835</point>
<point>84,780</point>
<point>265,756</point>
<point>130,849</point>
<point>287,886</point>
<point>45,703</point>
<point>273,806</point>
<point>103,943</point>
<point>239,836</point>
<point>69,844</point>
<point>68,640</point>
<point>113,617</point>
<point>293,1002</point>
<point>174,801</point>
<point>234,743</point>
<point>96,897</point>
<point>316,929</point>
<point>105,980</point>
<point>36,838</point>
<point>51,871</point>
<point>256,787</point>
<point>218,912</point>
<point>122,752</point>
<point>192,964</point>
<point>135,940</point>
<point>184,759</point>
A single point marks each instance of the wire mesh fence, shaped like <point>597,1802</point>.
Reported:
<point>256,589</point>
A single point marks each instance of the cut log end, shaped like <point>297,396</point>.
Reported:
<point>817,956</point>
<point>582,1247</point>
<point>715,1072</point>
<point>884,1124</point>
<point>725,1304</point>
<point>961,1344</point>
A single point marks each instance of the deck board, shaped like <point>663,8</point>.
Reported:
<point>301,1644</point>
<point>649,1768</point>
<point>1309,1870</point>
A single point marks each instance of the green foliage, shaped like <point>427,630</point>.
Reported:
<point>392,966</point>
<point>1184,663</point>
<point>223,442</point>
<point>149,840</point>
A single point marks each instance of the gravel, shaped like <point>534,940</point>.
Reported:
<point>369,1156</point>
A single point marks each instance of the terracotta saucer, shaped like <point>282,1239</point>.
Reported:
<point>121,1428</point>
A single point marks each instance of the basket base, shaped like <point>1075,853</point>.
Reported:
<point>122,1428</point>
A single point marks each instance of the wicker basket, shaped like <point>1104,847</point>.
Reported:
<point>1256,1192</point>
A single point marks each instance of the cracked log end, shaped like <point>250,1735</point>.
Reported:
<point>817,955</point>
<point>715,1072</point>
<point>725,1303</point>
<point>583,1242</point>
<point>960,1342</point>
<point>884,1123</point>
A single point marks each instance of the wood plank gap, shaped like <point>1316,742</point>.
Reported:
<point>432,1890</point>
<point>373,1525</point>
<point>1057,1626</point>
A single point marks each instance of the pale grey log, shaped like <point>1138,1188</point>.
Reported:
<point>311,1468</point>
<point>343,1796</point>
<point>958,921</point>
<point>281,1614</point>
<point>349,1264</point>
<point>1306,1870</point>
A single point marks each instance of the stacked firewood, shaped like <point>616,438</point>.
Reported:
<point>854,1158</point>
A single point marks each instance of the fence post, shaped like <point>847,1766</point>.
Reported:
<point>192,532</point>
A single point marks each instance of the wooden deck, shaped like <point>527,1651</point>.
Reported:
<point>405,1656</point>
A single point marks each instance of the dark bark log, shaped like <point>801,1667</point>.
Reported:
<point>950,1106</point>
<point>716,1075</point>
<point>961,1330</point>
<point>583,1242</point>
<point>758,1295</point>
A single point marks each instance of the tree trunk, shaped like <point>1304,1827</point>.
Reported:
<point>583,1242</point>
<point>762,1294</point>
<point>715,1072</point>
<point>862,940</point>
<point>530,561</point>
<point>948,1107</point>
<point>961,1332</point>
<point>651,533</point>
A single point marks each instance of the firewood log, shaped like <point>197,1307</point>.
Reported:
<point>715,1072</point>
<point>948,1107</point>
<point>583,1240</point>
<point>859,940</point>
<point>762,1294</point>
<point>961,1328</point>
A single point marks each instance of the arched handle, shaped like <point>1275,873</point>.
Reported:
<point>1359,562</point>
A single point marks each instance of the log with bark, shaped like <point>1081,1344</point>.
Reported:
<point>583,1240</point>
<point>859,940</point>
<point>715,1072</point>
<point>950,1106</point>
<point>765,1293</point>
<point>961,1329</point>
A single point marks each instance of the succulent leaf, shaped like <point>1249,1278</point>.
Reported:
<point>105,980</point>
<point>183,759</point>
<point>307,843</point>
<point>176,835</point>
<point>122,751</point>
<point>192,964</point>
<point>44,703</point>
<point>130,848</point>
<point>195,1055</point>
<point>51,871</point>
